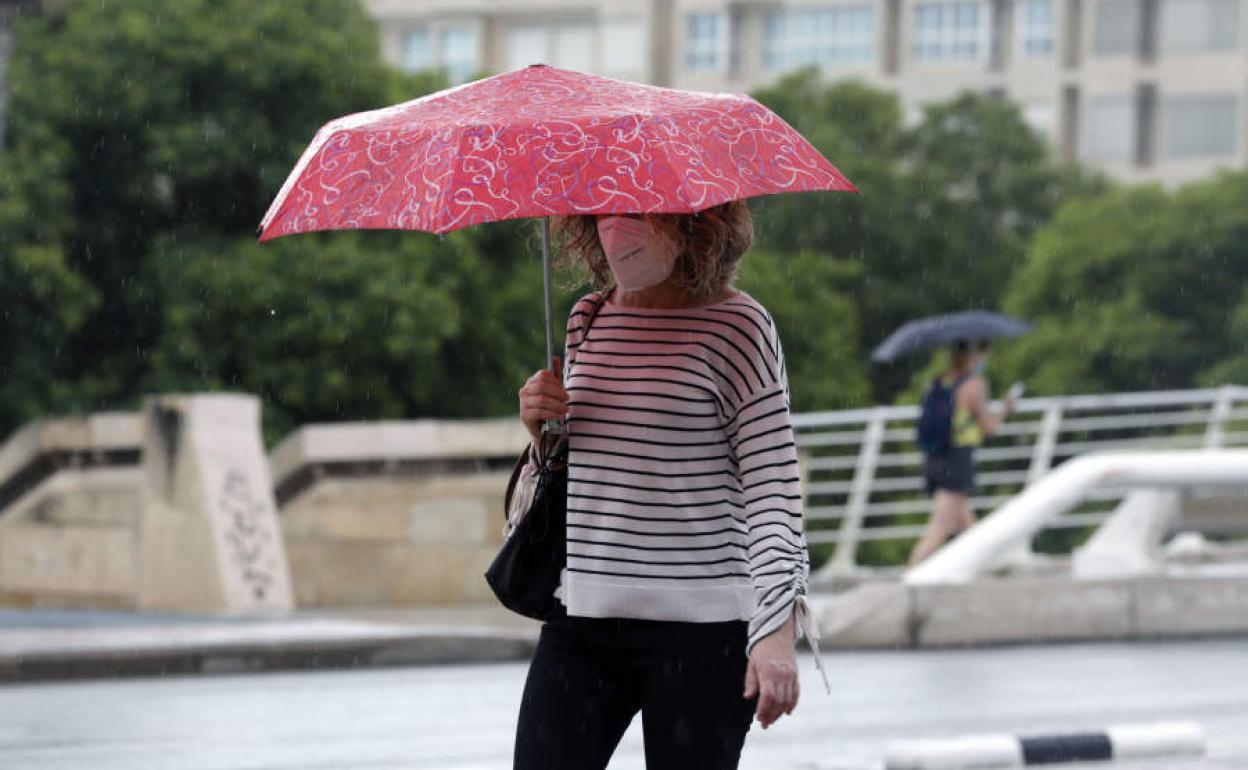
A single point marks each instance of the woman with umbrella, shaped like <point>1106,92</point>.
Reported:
<point>686,562</point>
<point>955,418</point>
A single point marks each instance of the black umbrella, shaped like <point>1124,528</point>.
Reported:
<point>939,330</point>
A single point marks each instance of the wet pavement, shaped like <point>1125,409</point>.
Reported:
<point>462,717</point>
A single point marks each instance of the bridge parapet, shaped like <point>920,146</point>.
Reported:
<point>70,498</point>
<point>394,513</point>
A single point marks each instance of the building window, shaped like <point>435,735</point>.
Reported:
<point>1117,28</point>
<point>1196,26</point>
<point>706,41</point>
<point>625,47</point>
<point>827,37</point>
<point>417,53</point>
<point>1110,130</point>
<point>574,47</point>
<point>950,31</point>
<point>1203,125</point>
<point>460,51</point>
<point>452,48</point>
<point>1034,22</point>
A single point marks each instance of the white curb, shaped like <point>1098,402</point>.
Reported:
<point>972,751</point>
<point>1166,739</point>
<point>979,752</point>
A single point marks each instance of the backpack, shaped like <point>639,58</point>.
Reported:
<point>934,431</point>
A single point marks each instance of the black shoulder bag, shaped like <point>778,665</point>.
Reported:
<point>526,571</point>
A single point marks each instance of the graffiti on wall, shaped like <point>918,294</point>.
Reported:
<point>251,548</point>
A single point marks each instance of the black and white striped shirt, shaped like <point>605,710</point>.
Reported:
<point>683,491</point>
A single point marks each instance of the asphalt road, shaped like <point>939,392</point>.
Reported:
<point>462,717</point>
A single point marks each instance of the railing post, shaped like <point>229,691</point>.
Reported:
<point>1041,463</point>
<point>843,562</point>
<point>1046,443</point>
<point>1219,412</point>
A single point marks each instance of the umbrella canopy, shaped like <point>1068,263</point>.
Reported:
<point>541,141</point>
<point>935,331</point>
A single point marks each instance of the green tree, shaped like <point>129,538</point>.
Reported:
<point>1135,289</point>
<point>143,125</point>
<point>806,294</point>
<point>339,336</point>
<point>947,209</point>
<point>1233,369</point>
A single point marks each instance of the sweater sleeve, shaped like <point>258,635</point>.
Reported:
<point>761,434</point>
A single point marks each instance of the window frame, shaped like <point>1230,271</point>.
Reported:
<point>710,55</point>
<point>1182,104</point>
<point>1127,154</point>
<point>1134,43</point>
<point>845,37</point>
<point>1210,43</point>
<point>947,39</point>
<point>1025,32</point>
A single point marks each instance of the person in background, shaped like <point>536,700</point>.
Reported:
<point>955,420</point>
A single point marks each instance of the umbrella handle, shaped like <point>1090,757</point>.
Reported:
<point>554,427</point>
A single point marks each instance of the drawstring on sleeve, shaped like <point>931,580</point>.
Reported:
<point>810,629</point>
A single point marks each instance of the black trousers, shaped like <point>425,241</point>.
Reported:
<point>590,676</point>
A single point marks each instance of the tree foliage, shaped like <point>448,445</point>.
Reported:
<point>145,127</point>
<point>1137,289</point>
<point>947,209</point>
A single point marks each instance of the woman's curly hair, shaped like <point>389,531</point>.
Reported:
<point>709,245</point>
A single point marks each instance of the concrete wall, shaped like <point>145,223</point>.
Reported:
<point>376,514</point>
<point>1028,610</point>
<point>404,540</point>
<point>72,541</point>
<point>394,514</point>
<point>68,529</point>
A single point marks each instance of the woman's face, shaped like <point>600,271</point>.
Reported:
<point>638,258</point>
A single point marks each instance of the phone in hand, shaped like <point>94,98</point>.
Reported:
<point>1016,391</point>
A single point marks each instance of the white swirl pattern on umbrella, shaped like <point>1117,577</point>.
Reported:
<point>542,141</point>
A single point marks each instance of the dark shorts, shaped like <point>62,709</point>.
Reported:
<point>952,471</point>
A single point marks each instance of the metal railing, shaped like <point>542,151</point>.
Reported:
<point>863,474</point>
<point>1011,525</point>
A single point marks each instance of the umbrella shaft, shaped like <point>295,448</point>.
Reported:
<point>546,293</point>
<point>551,426</point>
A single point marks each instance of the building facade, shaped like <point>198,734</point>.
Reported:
<point>1144,89</point>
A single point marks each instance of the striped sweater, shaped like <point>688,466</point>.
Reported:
<point>683,490</point>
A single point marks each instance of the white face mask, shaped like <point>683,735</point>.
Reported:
<point>637,257</point>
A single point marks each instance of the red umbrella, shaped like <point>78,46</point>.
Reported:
<point>542,141</point>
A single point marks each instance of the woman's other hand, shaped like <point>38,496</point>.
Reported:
<point>543,398</point>
<point>772,674</point>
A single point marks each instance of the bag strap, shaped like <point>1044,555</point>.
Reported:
<point>523,460</point>
<point>589,323</point>
<point>571,362</point>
